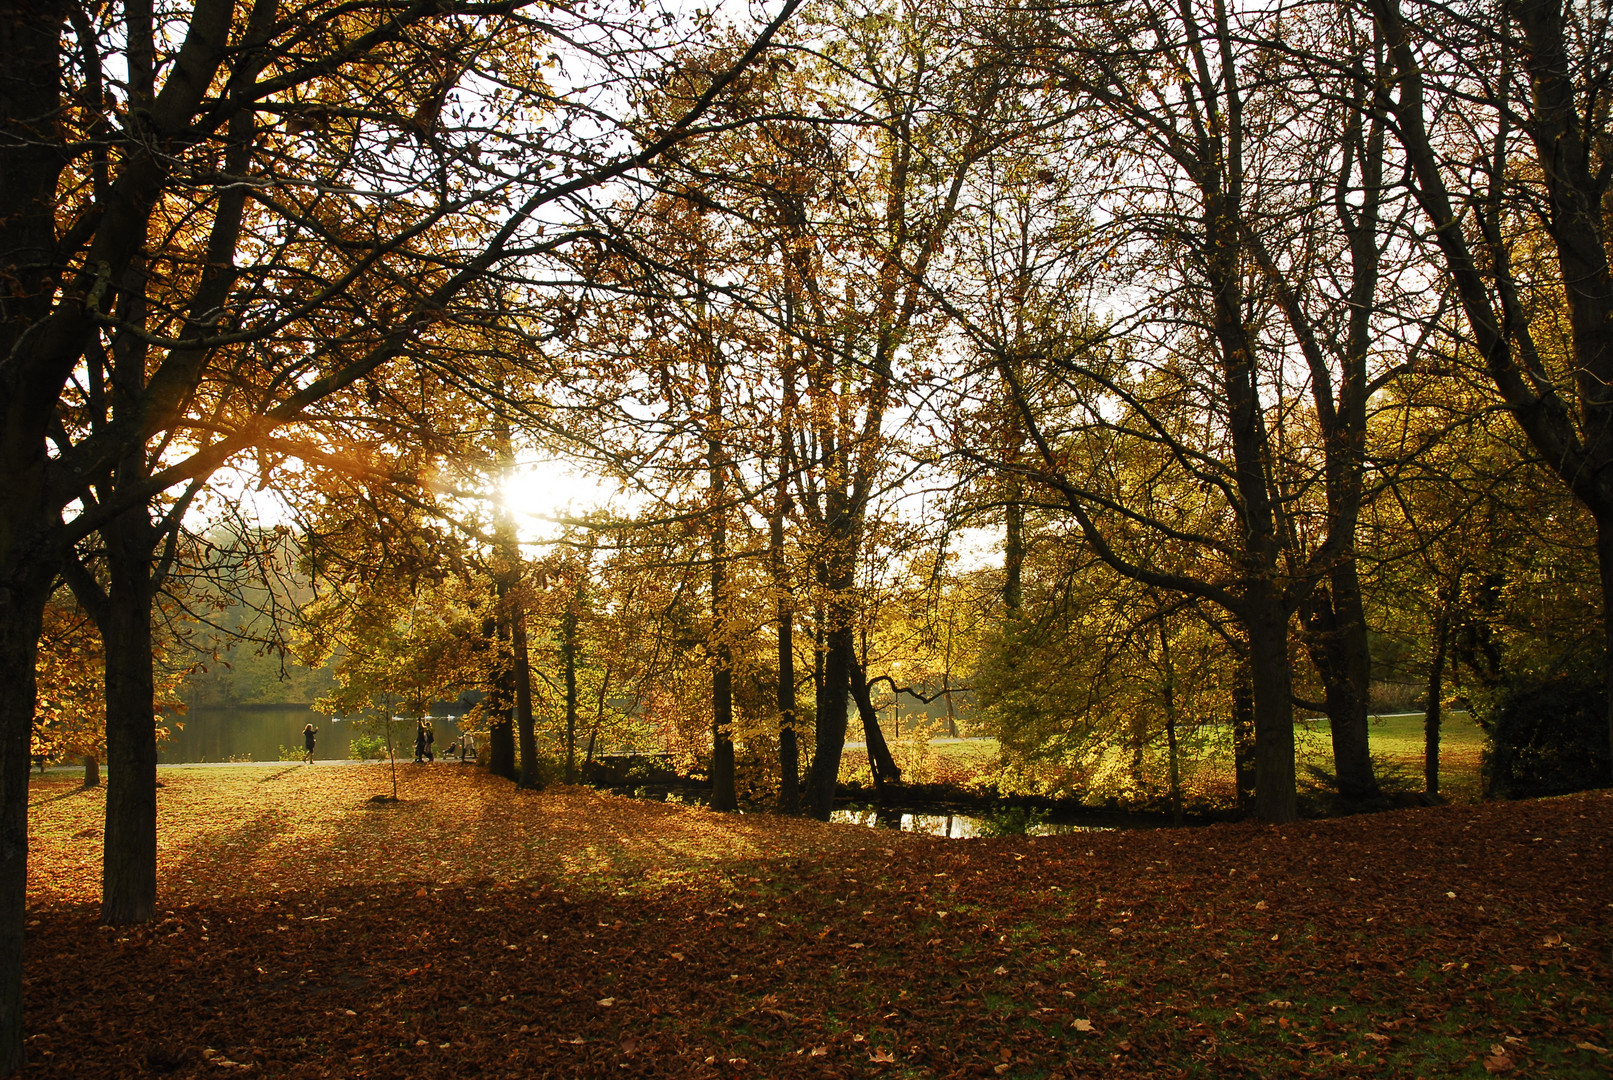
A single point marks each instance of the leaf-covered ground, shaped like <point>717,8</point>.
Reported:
<point>474,930</point>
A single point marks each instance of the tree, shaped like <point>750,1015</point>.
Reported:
<point>1502,118</point>
<point>1220,409</point>
<point>298,202</point>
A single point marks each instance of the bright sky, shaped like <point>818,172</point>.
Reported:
<point>544,491</point>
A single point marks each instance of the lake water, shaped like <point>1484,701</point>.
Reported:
<point>257,734</point>
<point>951,826</point>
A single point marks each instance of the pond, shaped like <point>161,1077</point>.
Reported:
<point>958,826</point>
<point>259,732</point>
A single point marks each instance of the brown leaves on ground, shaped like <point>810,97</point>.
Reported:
<point>475,930</point>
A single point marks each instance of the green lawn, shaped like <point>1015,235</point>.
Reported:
<point>1396,740</point>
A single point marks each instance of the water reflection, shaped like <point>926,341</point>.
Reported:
<point>951,826</point>
<point>258,734</point>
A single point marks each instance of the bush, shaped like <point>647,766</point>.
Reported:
<point>291,753</point>
<point>1547,736</point>
<point>1011,821</point>
<point>367,748</point>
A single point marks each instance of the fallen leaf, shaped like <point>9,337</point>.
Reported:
<point>606,1002</point>
<point>882,1057</point>
<point>1081,1025</point>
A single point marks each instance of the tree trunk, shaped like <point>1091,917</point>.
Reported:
<point>837,575</point>
<point>23,592</point>
<point>1013,549</point>
<point>1243,738</point>
<point>1340,650</point>
<point>1272,682</point>
<point>1574,443</point>
<point>92,771</point>
<point>129,866</point>
<point>568,656</point>
<point>789,753</point>
<point>724,796</point>
<point>831,729</point>
<point>880,761</point>
<point>1604,558</point>
<point>1436,691</point>
<point>514,607</point>
<point>723,793</point>
<point>501,746</point>
<point>531,770</point>
<point>1171,747</point>
<point>500,702</point>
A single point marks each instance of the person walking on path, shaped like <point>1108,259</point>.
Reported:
<point>431,740</point>
<point>419,742</point>
<point>308,734</point>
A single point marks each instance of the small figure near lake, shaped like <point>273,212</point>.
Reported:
<point>419,742</point>
<point>431,741</point>
<point>308,733</point>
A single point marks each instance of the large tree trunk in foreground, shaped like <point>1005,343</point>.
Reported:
<point>1604,556</point>
<point>23,592</point>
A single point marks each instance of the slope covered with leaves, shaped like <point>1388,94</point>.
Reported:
<point>474,930</point>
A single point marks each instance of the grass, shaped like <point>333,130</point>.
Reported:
<point>1396,741</point>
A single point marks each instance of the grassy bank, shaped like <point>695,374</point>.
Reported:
<point>1397,744</point>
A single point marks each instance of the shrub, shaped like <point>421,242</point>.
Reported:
<point>1547,736</point>
<point>1011,821</point>
<point>291,753</point>
<point>367,748</point>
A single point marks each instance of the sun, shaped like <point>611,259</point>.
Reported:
<point>542,494</point>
